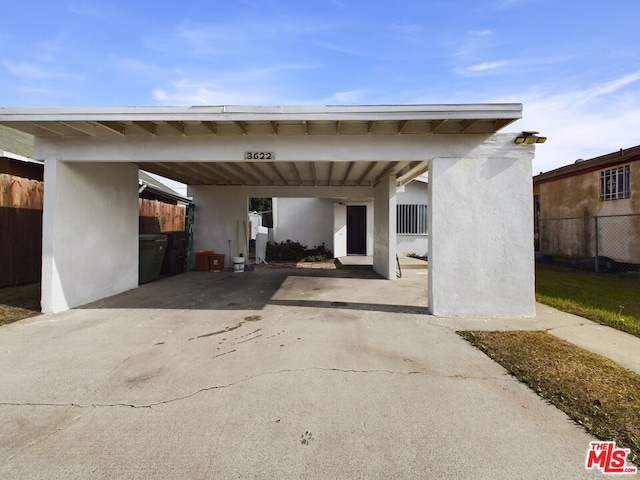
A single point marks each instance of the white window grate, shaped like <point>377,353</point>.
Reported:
<point>615,183</point>
<point>411,219</point>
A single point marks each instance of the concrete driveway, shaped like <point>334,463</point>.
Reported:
<point>269,374</point>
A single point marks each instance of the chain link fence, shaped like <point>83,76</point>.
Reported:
<point>607,243</point>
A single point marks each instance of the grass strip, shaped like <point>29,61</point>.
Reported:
<point>608,299</point>
<point>19,302</point>
<point>592,390</point>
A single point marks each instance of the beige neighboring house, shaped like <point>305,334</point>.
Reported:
<point>590,208</point>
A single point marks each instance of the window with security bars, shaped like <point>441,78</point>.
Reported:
<point>411,219</point>
<point>615,183</point>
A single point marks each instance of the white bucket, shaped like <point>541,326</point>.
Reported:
<point>238,264</point>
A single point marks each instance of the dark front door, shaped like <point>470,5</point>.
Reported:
<point>356,230</point>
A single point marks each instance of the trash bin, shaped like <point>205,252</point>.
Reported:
<point>175,256</point>
<point>150,256</point>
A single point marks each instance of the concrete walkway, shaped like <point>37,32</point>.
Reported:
<point>274,373</point>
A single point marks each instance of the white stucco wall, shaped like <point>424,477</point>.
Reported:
<point>218,210</point>
<point>305,220</point>
<point>90,232</point>
<point>384,229</point>
<point>481,237</point>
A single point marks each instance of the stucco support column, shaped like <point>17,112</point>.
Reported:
<point>90,232</point>
<point>480,234</point>
<point>384,228</point>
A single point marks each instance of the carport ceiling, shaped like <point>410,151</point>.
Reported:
<point>230,121</point>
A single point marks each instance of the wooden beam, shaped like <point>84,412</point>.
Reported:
<point>465,125</point>
<point>115,127</point>
<point>314,173</point>
<point>338,127</point>
<point>498,124</point>
<point>330,172</point>
<point>366,173</point>
<point>211,167</point>
<point>259,169</point>
<point>401,125</point>
<point>179,126</point>
<point>51,127</point>
<point>305,125</point>
<point>82,127</point>
<point>242,126</point>
<point>274,127</point>
<point>295,170</point>
<point>415,170</point>
<point>211,126</point>
<point>165,170</point>
<point>246,172</point>
<point>196,174</point>
<point>393,168</point>
<point>435,125</point>
<point>228,170</point>
<point>278,172</point>
<point>346,175</point>
<point>149,127</point>
<point>370,126</point>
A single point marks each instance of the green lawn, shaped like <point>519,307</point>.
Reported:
<point>609,299</point>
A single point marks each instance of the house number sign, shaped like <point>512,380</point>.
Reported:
<point>259,156</point>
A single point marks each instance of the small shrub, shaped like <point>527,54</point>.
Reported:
<point>289,251</point>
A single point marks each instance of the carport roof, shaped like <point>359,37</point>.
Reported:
<point>282,121</point>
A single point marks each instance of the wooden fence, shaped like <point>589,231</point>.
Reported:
<point>20,230</point>
<point>157,216</point>
<point>21,201</point>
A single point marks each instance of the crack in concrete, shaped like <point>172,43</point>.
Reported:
<point>505,378</point>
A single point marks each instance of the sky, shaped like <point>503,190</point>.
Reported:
<point>575,66</point>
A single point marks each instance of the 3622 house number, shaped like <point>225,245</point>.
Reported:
<point>259,156</point>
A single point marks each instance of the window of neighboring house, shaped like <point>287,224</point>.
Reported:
<point>411,219</point>
<point>615,184</point>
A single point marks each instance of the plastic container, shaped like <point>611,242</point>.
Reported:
<point>238,264</point>
<point>202,260</point>
<point>216,262</point>
<point>150,255</point>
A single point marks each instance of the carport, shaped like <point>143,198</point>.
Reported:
<point>480,206</point>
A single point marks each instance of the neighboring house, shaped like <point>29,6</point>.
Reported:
<point>590,208</point>
<point>346,226</point>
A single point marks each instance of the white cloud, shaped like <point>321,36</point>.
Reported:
<point>582,123</point>
<point>485,66</point>
<point>350,96</point>
<point>481,33</point>
<point>32,71</point>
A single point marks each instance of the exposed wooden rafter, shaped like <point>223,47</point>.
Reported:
<point>435,125</point>
<point>115,127</point>
<point>366,173</point>
<point>242,126</point>
<point>149,127</point>
<point>211,126</point>
<point>278,172</point>
<point>274,127</point>
<point>82,127</point>
<point>295,170</point>
<point>179,126</point>
<point>465,125</point>
<point>402,125</point>
<point>348,172</point>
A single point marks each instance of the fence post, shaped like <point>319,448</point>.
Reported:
<point>595,227</point>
